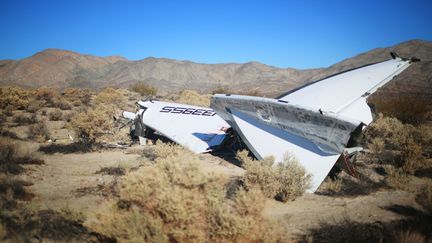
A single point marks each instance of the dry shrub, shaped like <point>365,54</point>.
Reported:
<point>25,225</point>
<point>412,157</point>
<point>110,96</point>
<point>347,230</point>
<point>12,156</point>
<point>8,110</point>
<point>39,132</point>
<point>144,89</point>
<point>77,96</point>
<point>377,146</point>
<point>191,97</point>
<point>3,117</point>
<point>285,181</point>
<point>249,92</point>
<point>408,109</point>
<point>76,147</point>
<point>7,133</point>
<point>50,97</point>
<point>221,90</point>
<point>174,200</point>
<point>55,115</point>
<point>14,97</point>
<point>25,119</point>
<point>424,198</point>
<point>405,142</point>
<point>12,189</point>
<point>332,185</point>
<point>3,231</point>
<point>397,179</point>
<point>93,123</point>
<point>409,236</point>
<point>34,106</point>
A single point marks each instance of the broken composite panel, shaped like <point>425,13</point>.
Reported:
<point>313,123</point>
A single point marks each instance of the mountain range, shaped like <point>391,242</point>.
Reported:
<point>61,68</point>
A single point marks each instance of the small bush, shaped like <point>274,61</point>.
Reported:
<point>77,147</point>
<point>8,133</point>
<point>3,117</point>
<point>15,97</point>
<point>93,122</point>
<point>397,179</point>
<point>332,185</point>
<point>25,119</point>
<point>39,132</point>
<point>192,97</point>
<point>12,188</point>
<point>69,115</point>
<point>404,142</point>
<point>78,96</point>
<point>284,181</point>
<point>250,92</point>
<point>408,109</point>
<point>424,198</point>
<point>11,157</point>
<point>34,106</point>
<point>175,201</point>
<point>221,90</point>
<point>55,115</point>
<point>144,89</point>
<point>110,96</point>
<point>377,146</point>
<point>412,157</point>
<point>48,96</point>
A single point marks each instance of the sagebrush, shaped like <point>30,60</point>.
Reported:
<point>175,201</point>
<point>285,181</point>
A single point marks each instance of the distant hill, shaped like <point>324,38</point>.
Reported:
<point>61,68</point>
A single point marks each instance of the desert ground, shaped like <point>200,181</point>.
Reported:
<point>70,172</point>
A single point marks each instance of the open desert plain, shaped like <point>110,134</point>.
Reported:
<point>70,171</point>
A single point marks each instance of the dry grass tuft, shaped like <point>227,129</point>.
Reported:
<point>12,156</point>
<point>285,181</point>
<point>332,185</point>
<point>55,115</point>
<point>397,178</point>
<point>144,89</point>
<point>78,97</point>
<point>110,96</point>
<point>25,119</point>
<point>173,200</point>
<point>424,198</point>
<point>192,97</point>
<point>76,147</point>
<point>39,132</point>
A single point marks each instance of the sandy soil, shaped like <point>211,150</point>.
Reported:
<point>56,185</point>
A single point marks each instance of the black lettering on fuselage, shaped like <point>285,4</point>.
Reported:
<point>187,111</point>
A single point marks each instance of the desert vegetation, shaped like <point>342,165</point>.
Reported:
<point>284,181</point>
<point>175,200</point>
<point>144,89</point>
<point>170,194</point>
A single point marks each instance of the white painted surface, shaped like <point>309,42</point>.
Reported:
<point>342,96</point>
<point>266,141</point>
<point>197,128</point>
<point>338,93</point>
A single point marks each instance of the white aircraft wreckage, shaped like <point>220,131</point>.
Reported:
<point>316,122</point>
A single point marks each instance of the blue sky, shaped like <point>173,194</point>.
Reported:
<point>299,34</point>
